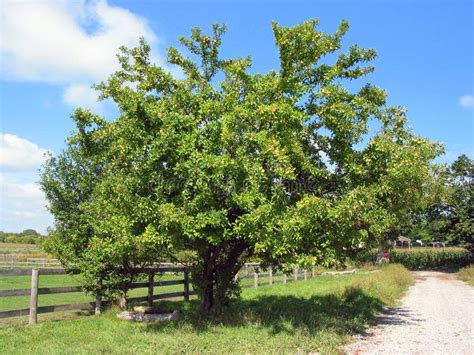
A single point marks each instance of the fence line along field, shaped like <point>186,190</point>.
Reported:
<point>26,292</point>
<point>316,315</point>
<point>15,301</point>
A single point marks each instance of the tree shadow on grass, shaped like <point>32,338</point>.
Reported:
<point>343,313</point>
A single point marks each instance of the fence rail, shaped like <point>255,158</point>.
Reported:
<point>248,272</point>
<point>254,273</point>
<point>34,291</point>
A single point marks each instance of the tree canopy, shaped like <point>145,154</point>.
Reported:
<point>449,217</point>
<point>221,164</point>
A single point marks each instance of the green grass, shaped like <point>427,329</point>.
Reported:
<point>467,274</point>
<point>314,315</point>
<point>19,302</point>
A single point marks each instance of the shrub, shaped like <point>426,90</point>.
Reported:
<point>424,258</point>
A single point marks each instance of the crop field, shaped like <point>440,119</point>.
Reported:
<point>14,248</point>
<point>16,255</point>
<point>6,246</point>
<point>424,258</point>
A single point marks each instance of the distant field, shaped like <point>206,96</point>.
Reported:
<point>18,246</point>
<point>13,254</point>
<point>12,248</point>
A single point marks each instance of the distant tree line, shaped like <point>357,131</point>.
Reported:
<point>28,236</point>
<point>450,218</point>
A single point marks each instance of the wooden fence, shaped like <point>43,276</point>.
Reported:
<point>34,291</point>
<point>249,271</point>
<point>257,274</point>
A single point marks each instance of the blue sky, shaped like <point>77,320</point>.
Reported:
<point>52,51</point>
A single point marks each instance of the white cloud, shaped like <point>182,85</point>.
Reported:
<point>66,40</point>
<point>81,95</point>
<point>69,42</point>
<point>467,101</point>
<point>22,206</point>
<point>19,153</point>
<point>22,203</point>
<point>28,190</point>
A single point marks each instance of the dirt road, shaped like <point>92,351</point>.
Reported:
<point>435,317</point>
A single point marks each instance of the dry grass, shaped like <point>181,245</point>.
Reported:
<point>467,274</point>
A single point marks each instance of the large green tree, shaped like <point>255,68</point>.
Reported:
<point>225,164</point>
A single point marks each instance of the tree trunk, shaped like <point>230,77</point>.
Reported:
<point>220,265</point>
<point>207,300</point>
<point>207,281</point>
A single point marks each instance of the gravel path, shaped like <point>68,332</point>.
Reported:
<point>435,317</point>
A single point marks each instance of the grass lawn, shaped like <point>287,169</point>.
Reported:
<point>467,274</point>
<point>314,315</point>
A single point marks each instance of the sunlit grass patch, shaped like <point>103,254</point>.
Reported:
<point>467,274</point>
<point>303,316</point>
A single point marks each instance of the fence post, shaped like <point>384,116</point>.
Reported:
<point>270,277</point>
<point>123,300</point>
<point>284,278</point>
<point>98,298</point>
<point>296,274</point>
<point>34,296</point>
<point>98,305</point>
<point>255,280</point>
<point>312,272</point>
<point>305,275</point>
<point>151,285</point>
<point>186,285</point>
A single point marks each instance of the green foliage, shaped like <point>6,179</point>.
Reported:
<point>254,165</point>
<point>460,230</point>
<point>450,215</point>
<point>424,258</point>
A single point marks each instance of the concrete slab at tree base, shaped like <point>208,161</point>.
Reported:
<point>333,273</point>
<point>144,309</point>
<point>149,317</point>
